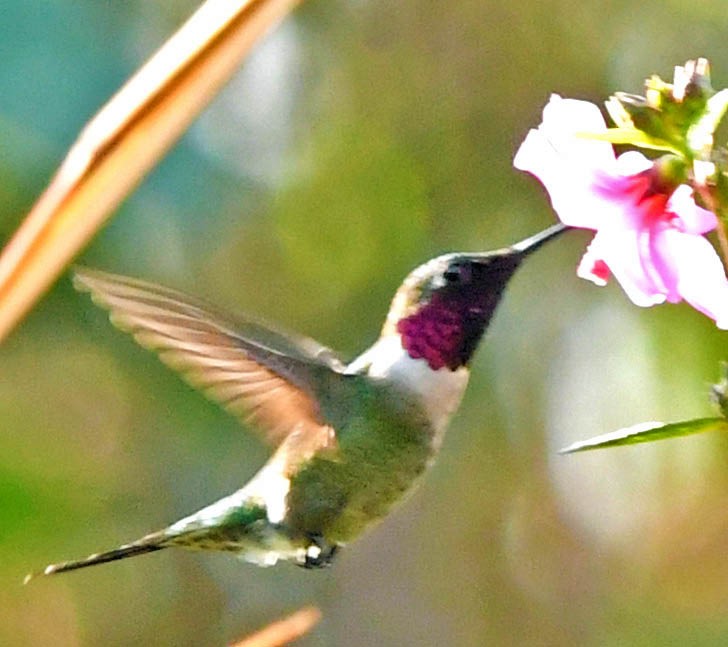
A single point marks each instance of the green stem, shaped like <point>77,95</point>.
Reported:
<point>713,203</point>
<point>722,238</point>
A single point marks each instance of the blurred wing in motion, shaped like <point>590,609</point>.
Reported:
<point>266,378</point>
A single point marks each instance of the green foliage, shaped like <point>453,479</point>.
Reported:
<point>632,137</point>
<point>648,432</point>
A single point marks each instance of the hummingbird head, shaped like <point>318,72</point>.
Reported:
<point>444,306</point>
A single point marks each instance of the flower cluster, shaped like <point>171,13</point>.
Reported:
<point>650,232</point>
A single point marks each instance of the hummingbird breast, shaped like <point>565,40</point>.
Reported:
<point>383,450</point>
<point>391,435</point>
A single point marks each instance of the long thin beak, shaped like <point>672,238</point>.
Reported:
<point>532,243</point>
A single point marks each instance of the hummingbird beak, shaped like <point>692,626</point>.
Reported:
<point>531,244</point>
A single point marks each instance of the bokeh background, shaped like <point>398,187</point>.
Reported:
<point>360,139</point>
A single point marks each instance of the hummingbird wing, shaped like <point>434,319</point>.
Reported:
<point>264,377</point>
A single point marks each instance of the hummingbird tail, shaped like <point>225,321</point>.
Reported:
<point>122,552</point>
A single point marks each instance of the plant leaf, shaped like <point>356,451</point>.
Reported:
<point>646,432</point>
<point>632,137</point>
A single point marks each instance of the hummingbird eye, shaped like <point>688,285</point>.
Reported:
<point>457,273</point>
<point>451,275</point>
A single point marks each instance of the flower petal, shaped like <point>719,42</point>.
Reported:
<point>662,263</point>
<point>593,268</point>
<point>567,124</point>
<point>693,219</point>
<point>621,250</point>
<point>567,164</point>
<point>633,163</point>
<point>701,279</point>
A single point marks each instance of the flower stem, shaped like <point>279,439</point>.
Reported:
<point>722,239</point>
<point>712,202</point>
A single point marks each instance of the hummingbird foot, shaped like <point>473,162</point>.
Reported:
<point>319,553</point>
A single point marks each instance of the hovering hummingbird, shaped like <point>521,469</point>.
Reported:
<point>350,439</point>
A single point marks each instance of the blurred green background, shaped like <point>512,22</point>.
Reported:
<point>359,140</point>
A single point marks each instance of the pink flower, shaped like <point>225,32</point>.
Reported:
<point>648,235</point>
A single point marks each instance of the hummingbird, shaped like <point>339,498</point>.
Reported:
<point>349,439</point>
